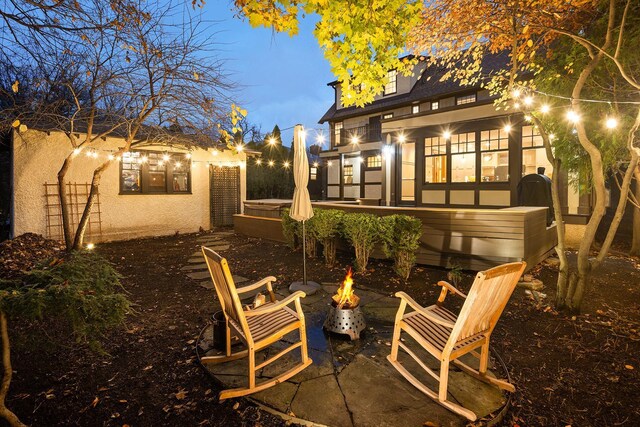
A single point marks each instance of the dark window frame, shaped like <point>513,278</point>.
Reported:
<point>387,116</point>
<point>464,98</point>
<point>437,105</point>
<point>431,155</point>
<point>345,175</point>
<point>415,109</point>
<point>145,172</point>
<point>378,160</point>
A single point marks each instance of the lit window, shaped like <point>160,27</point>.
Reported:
<point>313,173</point>
<point>435,105</point>
<point>494,148</point>
<point>337,132</point>
<point>347,174</point>
<point>387,116</point>
<point>466,99</point>
<point>534,154</point>
<point>415,109</point>
<point>374,161</point>
<point>463,157</point>
<point>391,86</point>
<point>155,174</point>
<point>435,161</point>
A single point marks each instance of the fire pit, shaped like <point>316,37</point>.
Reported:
<point>345,316</point>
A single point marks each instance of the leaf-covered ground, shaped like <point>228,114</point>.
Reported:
<point>568,371</point>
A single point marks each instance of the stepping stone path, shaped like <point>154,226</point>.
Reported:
<point>196,268</point>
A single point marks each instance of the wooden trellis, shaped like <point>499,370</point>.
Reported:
<point>225,194</point>
<point>77,195</point>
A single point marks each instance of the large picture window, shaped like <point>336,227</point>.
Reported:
<point>533,152</point>
<point>463,157</point>
<point>147,172</point>
<point>494,149</point>
<point>435,160</point>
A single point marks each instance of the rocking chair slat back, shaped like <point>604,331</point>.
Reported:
<point>225,288</point>
<point>485,302</point>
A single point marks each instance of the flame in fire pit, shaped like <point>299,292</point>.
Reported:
<point>345,296</point>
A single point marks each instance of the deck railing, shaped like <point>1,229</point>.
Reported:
<point>363,134</point>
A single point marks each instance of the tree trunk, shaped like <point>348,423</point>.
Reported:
<point>635,239</point>
<point>11,418</point>
<point>64,204</point>
<point>86,213</point>
<point>329,251</point>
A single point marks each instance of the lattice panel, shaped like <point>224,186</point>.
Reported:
<point>77,195</point>
<point>225,194</point>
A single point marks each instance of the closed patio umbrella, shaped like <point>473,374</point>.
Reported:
<point>301,209</point>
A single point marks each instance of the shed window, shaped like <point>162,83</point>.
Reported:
<point>387,116</point>
<point>146,172</point>
<point>466,99</point>
<point>415,109</point>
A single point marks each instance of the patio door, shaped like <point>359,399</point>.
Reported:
<point>407,172</point>
<point>224,197</point>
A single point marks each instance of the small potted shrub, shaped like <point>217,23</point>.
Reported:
<point>400,236</point>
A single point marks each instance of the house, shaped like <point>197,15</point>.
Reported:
<point>431,143</point>
<point>152,190</point>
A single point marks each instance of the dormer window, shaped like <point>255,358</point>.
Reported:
<point>466,99</point>
<point>387,116</point>
<point>415,109</point>
<point>391,86</point>
<point>435,105</point>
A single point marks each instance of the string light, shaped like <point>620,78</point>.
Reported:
<point>166,157</point>
<point>76,151</point>
<point>527,118</point>
<point>552,137</point>
<point>315,164</point>
<point>144,159</point>
<point>572,116</point>
<point>507,128</point>
<point>110,157</point>
<point>286,165</point>
<point>214,152</point>
<point>402,138</point>
<point>320,139</point>
<point>528,100</point>
<point>239,148</point>
<point>258,162</point>
<point>271,163</point>
<point>178,165</point>
<point>516,93</point>
<point>188,155</point>
<point>272,141</point>
<point>446,134</point>
<point>544,109</point>
<point>611,123</point>
<point>161,163</point>
<point>355,139</point>
<point>329,163</point>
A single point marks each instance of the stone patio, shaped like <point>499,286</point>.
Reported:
<point>351,383</point>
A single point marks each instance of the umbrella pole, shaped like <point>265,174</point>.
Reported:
<point>304,255</point>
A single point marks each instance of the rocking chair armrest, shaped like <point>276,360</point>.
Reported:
<point>266,281</point>
<point>276,306</point>
<point>410,301</point>
<point>448,287</point>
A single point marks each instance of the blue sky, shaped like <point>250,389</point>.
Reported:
<point>283,78</point>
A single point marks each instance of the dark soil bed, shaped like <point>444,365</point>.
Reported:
<point>568,371</point>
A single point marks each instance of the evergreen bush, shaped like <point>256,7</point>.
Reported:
<point>400,235</point>
<point>291,229</point>
<point>362,231</point>
<point>327,228</point>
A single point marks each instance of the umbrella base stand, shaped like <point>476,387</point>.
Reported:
<point>309,288</point>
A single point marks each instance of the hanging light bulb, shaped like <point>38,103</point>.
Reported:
<point>552,137</point>
<point>355,139</point>
<point>527,118</point>
<point>258,162</point>
<point>160,162</point>
<point>178,165</point>
<point>239,148</point>
<point>166,157</point>
<point>507,128</point>
<point>402,138</point>
<point>271,163</point>
<point>214,152</point>
<point>188,155</point>
<point>611,123</point>
<point>516,93</point>
<point>110,157</point>
<point>573,117</point>
<point>76,151</point>
<point>144,159</point>
<point>320,139</point>
<point>272,141</point>
<point>446,134</point>
<point>544,109</point>
<point>315,164</point>
<point>528,100</point>
<point>286,164</point>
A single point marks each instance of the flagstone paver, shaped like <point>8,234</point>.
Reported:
<point>192,267</point>
<point>328,406</point>
<point>199,275</point>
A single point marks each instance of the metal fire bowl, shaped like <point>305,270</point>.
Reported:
<point>347,321</point>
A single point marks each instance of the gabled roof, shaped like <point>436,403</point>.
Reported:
<point>428,87</point>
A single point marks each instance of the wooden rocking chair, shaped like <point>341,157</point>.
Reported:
<point>447,336</point>
<point>257,328</point>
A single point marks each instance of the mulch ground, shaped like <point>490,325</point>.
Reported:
<point>579,371</point>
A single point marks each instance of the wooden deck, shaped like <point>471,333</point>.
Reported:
<point>475,239</point>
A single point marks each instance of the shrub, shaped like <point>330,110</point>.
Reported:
<point>290,229</point>
<point>81,290</point>
<point>310,237</point>
<point>361,230</point>
<point>327,227</point>
<point>400,236</point>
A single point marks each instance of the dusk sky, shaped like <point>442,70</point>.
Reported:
<point>284,78</point>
